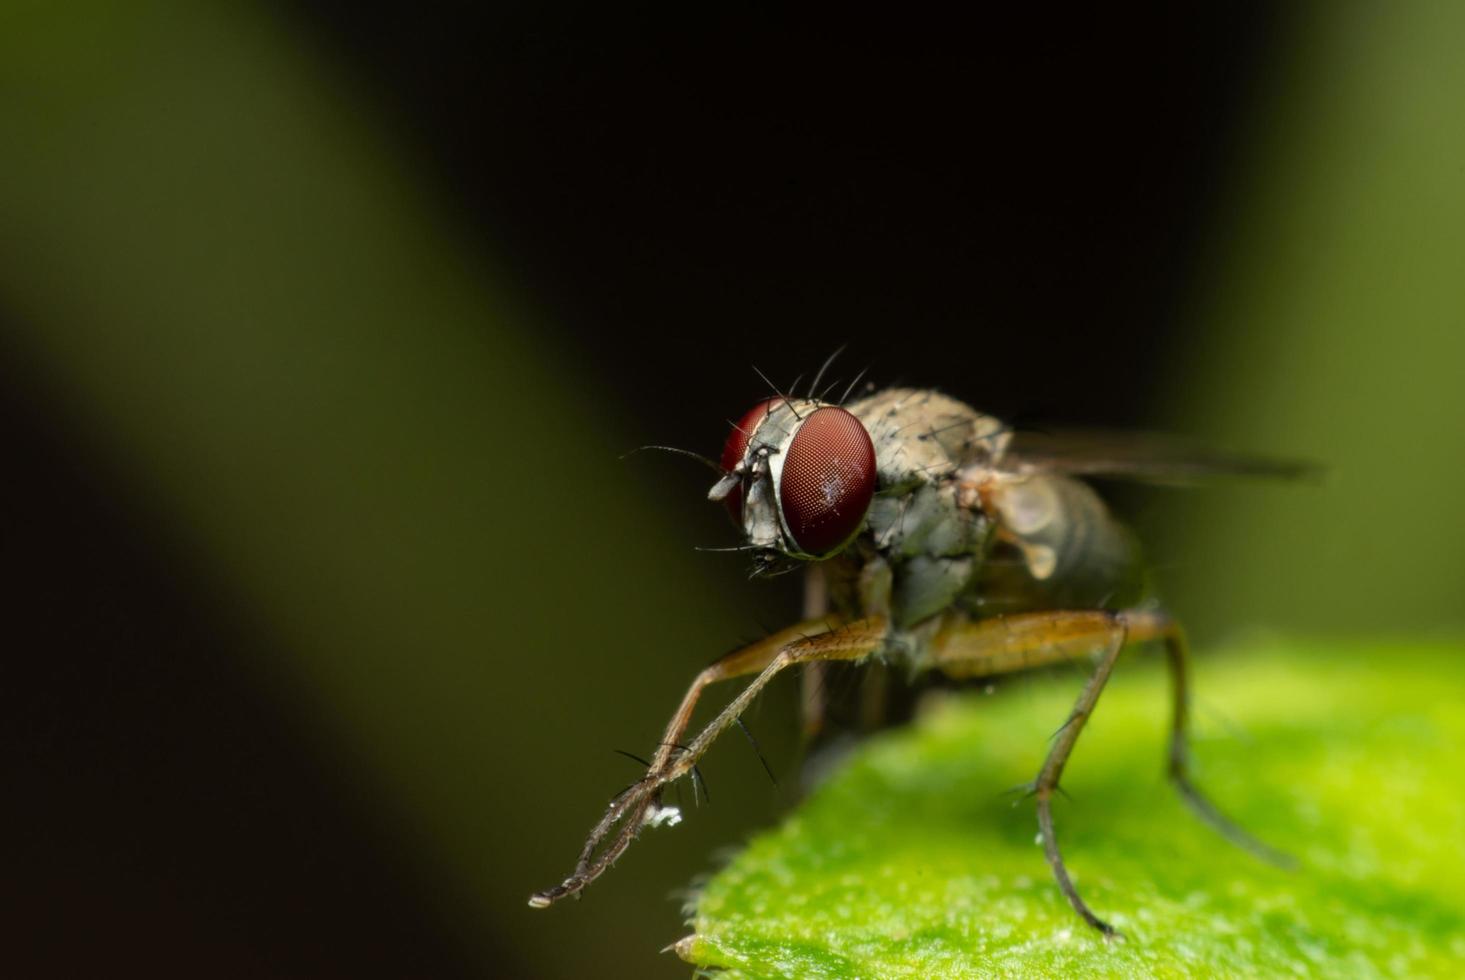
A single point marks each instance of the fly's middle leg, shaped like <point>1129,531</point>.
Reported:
<point>1007,643</point>
<point>1004,644</point>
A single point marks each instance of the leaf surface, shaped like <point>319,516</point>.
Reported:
<point>911,862</point>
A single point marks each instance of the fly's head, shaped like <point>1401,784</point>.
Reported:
<point>798,477</point>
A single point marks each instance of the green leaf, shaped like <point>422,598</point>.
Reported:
<point>910,861</point>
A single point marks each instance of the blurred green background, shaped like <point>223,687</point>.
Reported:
<point>326,327</point>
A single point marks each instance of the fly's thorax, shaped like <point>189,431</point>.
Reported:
<point>921,435</point>
<point>931,545</point>
<point>926,519</point>
<point>929,537</point>
<point>864,582</point>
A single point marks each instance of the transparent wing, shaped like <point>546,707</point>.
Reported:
<point>1146,457</point>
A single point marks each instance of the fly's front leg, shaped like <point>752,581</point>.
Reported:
<point>637,803</point>
<point>808,642</point>
<point>633,805</point>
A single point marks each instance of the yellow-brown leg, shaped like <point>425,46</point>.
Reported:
<point>1177,657</point>
<point>808,642</point>
<point>813,699</point>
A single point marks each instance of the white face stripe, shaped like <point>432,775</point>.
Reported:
<point>776,432</point>
<point>775,473</point>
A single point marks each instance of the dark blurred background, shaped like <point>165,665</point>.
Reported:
<point>326,325</point>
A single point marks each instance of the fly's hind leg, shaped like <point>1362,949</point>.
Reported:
<point>1158,625</point>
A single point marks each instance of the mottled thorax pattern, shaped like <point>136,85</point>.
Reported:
<point>923,544</point>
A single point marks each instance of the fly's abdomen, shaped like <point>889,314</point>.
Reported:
<point>1061,548</point>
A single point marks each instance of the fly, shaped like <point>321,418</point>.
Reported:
<point>917,510</point>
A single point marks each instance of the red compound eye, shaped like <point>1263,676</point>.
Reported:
<point>828,480</point>
<point>737,445</point>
